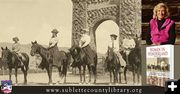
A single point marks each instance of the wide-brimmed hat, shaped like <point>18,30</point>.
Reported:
<point>55,31</point>
<point>84,30</point>
<point>113,35</point>
<point>15,39</point>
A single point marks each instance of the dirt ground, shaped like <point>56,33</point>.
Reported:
<point>41,79</point>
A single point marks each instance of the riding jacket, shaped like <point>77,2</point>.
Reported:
<point>53,42</point>
<point>84,41</point>
<point>16,47</point>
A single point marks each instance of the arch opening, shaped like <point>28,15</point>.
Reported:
<point>102,35</point>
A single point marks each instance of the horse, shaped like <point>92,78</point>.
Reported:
<point>12,60</point>
<point>3,66</point>
<point>47,62</point>
<point>113,66</point>
<point>133,59</point>
<point>80,60</point>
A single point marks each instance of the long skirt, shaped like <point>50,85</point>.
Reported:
<point>91,55</point>
<point>54,52</point>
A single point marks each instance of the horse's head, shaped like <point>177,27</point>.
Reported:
<point>110,54</point>
<point>6,53</point>
<point>75,53</point>
<point>74,50</point>
<point>34,48</point>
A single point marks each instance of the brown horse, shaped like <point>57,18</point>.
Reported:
<point>47,61</point>
<point>113,65</point>
<point>80,60</point>
<point>12,60</point>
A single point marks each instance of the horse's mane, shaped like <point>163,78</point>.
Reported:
<point>113,53</point>
<point>75,47</point>
<point>42,47</point>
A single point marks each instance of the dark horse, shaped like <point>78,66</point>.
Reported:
<point>133,60</point>
<point>3,65</point>
<point>47,60</point>
<point>12,60</point>
<point>113,66</point>
<point>80,60</point>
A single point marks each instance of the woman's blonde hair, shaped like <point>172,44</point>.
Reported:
<point>167,13</point>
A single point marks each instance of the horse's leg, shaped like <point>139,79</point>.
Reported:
<point>79,67</point>
<point>84,76</point>
<point>10,73</point>
<point>133,72</point>
<point>74,70</point>
<point>16,74</point>
<point>25,75</point>
<point>119,76</point>
<point>94,73</point>
<point>125,71</point>
<point>115,77</point>
<point>49,70</point>
<point>90,73</point>
<point>110,77</point>
<point>138,74</point>
<point>60,75</point>
<point>64,78</point>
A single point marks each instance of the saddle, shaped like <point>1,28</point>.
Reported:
<point>20,56</point>
<point>116,56</point>
<point>120,60</point>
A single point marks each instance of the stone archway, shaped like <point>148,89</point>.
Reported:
<point>102,35</point>
<point>90,13</point>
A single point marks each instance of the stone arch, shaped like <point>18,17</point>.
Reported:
<point>102,31</point>
<point>96,25</point>
<point>90,13</point>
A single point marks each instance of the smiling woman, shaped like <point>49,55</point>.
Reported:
<point>162,28</point>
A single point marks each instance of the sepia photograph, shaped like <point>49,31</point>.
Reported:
<point>70,42</point>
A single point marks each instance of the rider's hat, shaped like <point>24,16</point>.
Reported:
<point>84,30</point>
<point>15,39</point>
<point>113,35</point>
<point>55,31</point>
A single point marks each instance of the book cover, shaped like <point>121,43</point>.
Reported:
<point>159,64</point>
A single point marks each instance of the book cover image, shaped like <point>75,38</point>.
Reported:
<point>159,64</point>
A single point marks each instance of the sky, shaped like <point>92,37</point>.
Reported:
<point>32,20</point>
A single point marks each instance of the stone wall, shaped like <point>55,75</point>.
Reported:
<point>130,19</point>
<point>91,13</point>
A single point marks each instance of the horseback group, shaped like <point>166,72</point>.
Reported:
<point>51,56</point>
<point>82,54</point>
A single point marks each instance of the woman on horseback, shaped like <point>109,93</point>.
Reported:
<point>53,48</point>
<point>114,44</point>
<point>84,44</point>
<point>16,50</point>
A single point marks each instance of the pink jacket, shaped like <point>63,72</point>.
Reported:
<point>162,35</point>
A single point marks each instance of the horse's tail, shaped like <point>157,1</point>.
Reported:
<point>94,68</point>
<point>26,62</point>
<point>64,65</point>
